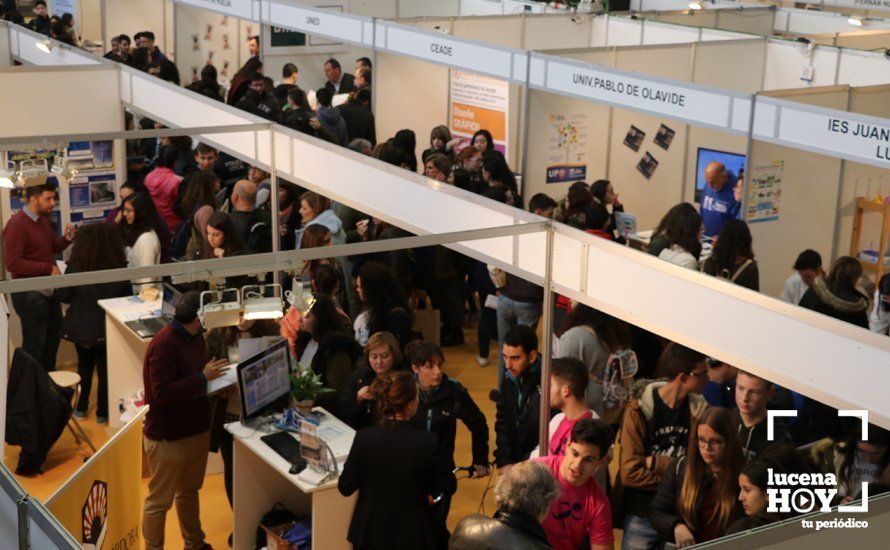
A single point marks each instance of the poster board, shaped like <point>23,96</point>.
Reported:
<point>765,192</point>
<point>479,103</point>
<point>99,504</point>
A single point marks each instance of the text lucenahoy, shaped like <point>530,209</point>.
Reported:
<point>632,90</point>
<point>864,131</point>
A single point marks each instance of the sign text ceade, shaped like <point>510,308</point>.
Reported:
<point>630,89</point>
<point>864,131</point>
<point>442,49</point>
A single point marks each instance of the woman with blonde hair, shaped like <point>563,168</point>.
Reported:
<point>698,497</point>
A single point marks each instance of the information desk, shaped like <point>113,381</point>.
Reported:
<point>261,479</point>
<point>125,349</point>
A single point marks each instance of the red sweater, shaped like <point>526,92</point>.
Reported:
<point>31,246</point>
<point>175,386</point>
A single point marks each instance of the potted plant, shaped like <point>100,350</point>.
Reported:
<point>305,387</point>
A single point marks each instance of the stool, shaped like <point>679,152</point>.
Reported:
<point>68,379</point>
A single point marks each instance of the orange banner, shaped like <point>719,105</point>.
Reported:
<point>467,119</point>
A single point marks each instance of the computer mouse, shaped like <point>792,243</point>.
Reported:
<point>297,467</point>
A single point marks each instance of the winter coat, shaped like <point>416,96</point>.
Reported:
<point>678,255</point>
<point>84,322</point>
<point>829,459</point>
<point>516,422</point>
<point>633,442</point>
<point>350,410</point>
<point>845,305</point>
<point>330,220</point>
<point>37,411</point>
<point>664,511</point>
<point>504,530</point>
<point>332,121</point>
<point>333,363</point>
<point>439,412</point>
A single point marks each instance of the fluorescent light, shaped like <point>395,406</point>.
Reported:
<point>46,45</point>
<point>855,21</point>
<point>6,182</point>
<point>695,5</point>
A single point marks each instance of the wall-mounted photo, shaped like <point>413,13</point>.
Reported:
<point>634,138</point>
<point>664,137</point>
<point>647,165</point>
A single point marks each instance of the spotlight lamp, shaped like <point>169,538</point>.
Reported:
<point>300,298</point>
<point>259,306</point>
<point>220,311</point>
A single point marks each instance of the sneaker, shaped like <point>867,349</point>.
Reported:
<point>79,413</point>
<point>481,361</point>
<point>102,420</point>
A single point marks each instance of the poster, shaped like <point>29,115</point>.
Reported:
<point>479,103</point>
<point>664,137</point>
<point>765,192</point>
<point>634,138</point>
<point>647,165</point>
<point>96,504</point>
<point>567,145</point>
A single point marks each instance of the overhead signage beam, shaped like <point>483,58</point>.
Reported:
<point>496,61</point>
<point>685,102</point>
<point>318,21</point>
<point>829,132</point>
<point>243,9</point>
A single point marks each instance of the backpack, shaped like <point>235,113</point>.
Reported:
<point>259,236</point>
<point>618,375</point>
<point>731,277</point>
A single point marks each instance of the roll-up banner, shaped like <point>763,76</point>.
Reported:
<point>829,132</point>
<point>101,504</point>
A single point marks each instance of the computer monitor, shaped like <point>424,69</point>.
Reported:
<point>171,299</point>
<point>264,381</point>
<point>734,163</point>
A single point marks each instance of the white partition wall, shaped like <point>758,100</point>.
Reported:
<point>132,16</point>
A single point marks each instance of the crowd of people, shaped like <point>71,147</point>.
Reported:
<point>686,433</point>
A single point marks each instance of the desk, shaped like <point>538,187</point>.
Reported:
<point>126,350</point>
<point>261,479</point>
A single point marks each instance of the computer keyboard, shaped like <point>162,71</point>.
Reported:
<point>285,445</point>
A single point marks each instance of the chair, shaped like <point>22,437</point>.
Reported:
<point>68,379</point>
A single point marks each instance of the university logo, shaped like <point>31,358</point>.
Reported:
<point>94,523</point>
<point>803,493</point>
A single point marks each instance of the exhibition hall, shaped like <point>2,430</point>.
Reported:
<point>260,259</point>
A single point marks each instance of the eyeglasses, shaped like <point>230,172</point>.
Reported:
<point>710,443</point>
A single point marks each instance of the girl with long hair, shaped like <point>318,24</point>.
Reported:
<point>384,305</point>
<point>98,247</point>
<point>576,204</point>
<point>199,204</point>
<point>838,295</point>
<point>316,209</point>
<point>138,226</point>
<point>682,232</point>
<point>733,257</point>
<point>496,173</point>
<point>441,142</point>
<point>697,499</point>
<point>223,239</point>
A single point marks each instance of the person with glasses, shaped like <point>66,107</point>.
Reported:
<point>697,499</point>
<point>655,431</point>
<point>855,460</point>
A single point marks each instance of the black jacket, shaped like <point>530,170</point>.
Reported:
<point>439,412</point>
<point>37,411</point>
<point>393,468</point>
<point>753,439</point>
<point>349,410</point>
<point>504,531</point>
<point>359,121</point>
<point>255,228</point>
<point>516,424</point>
<point>40,24</point>
<point>333,362</point>
<point>845,305</point>
<point>396,320</point>
<point>84,322</point>
<point>663,510</point>
<point>347,84</point>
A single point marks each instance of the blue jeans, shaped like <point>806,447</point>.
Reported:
<point>638,534</point>
<point>510,314</point>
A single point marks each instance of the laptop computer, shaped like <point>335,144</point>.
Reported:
<point>148,327</point>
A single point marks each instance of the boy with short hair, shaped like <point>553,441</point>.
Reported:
<point>752,393</point>
<point>568,384</point>
<point>654,432</point>
<point>582,513</point>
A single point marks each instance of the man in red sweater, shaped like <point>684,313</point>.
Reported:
<point>30,244</point>
<point>176,434</point>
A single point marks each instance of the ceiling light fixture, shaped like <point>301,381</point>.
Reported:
<point>695,5</point>
<point>45,45</point>
<point>259,306</point>
<point>220,313</point>
<point>855,21</point>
